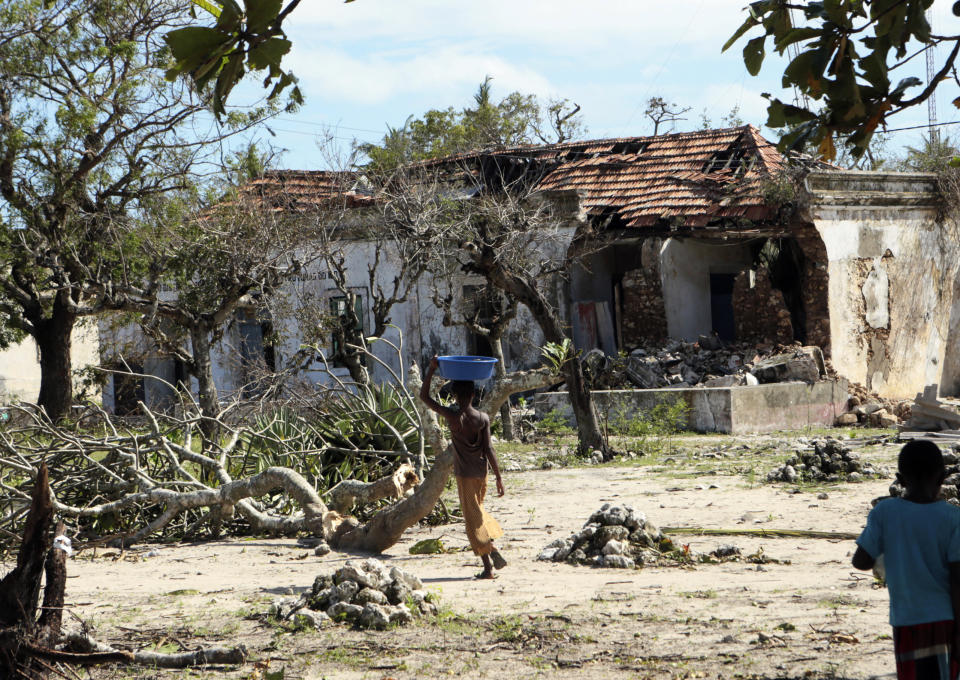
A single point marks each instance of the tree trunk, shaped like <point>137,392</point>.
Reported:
<point>21,633</point>
<point>206,387</point>
<point>526,291</point>
<point>506,418</point>
<point>53,337</point>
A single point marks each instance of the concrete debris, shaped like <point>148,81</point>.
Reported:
<point>705,363</point>
<point>619,537</point>
<point>870,410</point>
<point>928,413</point>
<point>829,461</point>
<point>364,593</point>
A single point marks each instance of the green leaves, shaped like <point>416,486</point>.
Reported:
<point>260,13</point>
<point>247,38</point>
<point>840,65</point>
<point>753,54</point>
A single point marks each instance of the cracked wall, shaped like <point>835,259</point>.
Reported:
<point>891,278</point>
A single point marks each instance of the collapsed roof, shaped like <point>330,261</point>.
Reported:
<point>691,179</point>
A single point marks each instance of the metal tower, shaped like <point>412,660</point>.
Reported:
<point>931,72</point>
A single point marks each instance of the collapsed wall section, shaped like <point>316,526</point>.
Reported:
<point>760,311</point>
<point>644,316</point>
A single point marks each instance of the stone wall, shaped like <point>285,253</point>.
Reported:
<point>760,313</point>
<point>644,317</point>
<point>815,291</point>
<point>735,410</point>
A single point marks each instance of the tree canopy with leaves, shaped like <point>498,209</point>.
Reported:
<point>92,137</point>
<point>516,119</point>
<point>847,60</point>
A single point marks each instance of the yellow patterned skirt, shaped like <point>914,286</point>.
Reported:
<point>481,527</point>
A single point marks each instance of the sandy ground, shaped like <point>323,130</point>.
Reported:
<point>814,617</point>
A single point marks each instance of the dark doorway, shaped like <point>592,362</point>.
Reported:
<point>478,307</point>
<point>127,389</point>
<point>257,355</point>
<point>721,305</point>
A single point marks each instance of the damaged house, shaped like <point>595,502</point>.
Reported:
<point>700,234</point>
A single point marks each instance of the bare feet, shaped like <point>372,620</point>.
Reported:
<point>498,561</point>
<point>486,575</point>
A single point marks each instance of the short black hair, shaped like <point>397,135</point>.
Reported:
<point>462,389</point>
<point>920,459</point>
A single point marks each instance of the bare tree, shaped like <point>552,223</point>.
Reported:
<point>487,313</point>
<point>659,111</point>
<point>204,267</point>
<point>494,223</point>
<point>360,223</point>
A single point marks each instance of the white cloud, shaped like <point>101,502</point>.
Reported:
<point>563,25</point>
<point>378,77</point>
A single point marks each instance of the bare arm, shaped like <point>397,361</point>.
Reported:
<point>862,560</point>
<point>955,602</point>
<point>491,455</point>
<point>425,392</point>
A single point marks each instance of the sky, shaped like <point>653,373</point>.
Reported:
<point>371,63</point>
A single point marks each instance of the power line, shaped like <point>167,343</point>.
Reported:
<point>918,127</point>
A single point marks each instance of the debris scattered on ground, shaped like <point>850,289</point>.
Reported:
<point>829,461</point>
<point>364,593</point>
<point>706,363</point>
<point>868,409</point>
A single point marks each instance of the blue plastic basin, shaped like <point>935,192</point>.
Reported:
<point>466,367</point>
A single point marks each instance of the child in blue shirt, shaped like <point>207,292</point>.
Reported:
<point>919,538</point>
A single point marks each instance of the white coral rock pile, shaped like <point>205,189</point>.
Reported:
<point>615,536</point>
<point>365,593</point>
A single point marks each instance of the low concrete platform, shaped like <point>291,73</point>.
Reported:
<point>732,410</point>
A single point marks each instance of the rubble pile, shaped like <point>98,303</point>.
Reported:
<point>705,363</point>
<point>615,536</point>
<point>618,537</point>
<point>868,409</point>
<point>949,490</point>
<point>929,412</point>
<point>829,461</point>
<point>365,593</point>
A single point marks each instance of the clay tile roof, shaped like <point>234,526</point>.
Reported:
<point>305,189</point>
<point>691,178</point>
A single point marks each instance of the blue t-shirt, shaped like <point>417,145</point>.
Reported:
<point>918,541</point>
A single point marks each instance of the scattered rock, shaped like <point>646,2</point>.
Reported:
<point>845,419</point>
<point>615,536</point>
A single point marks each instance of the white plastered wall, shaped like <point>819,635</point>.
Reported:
<point>685,268</point>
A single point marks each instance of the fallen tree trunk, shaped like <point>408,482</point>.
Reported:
<point>156,476</point>
<point>388,525</point>
<point>86,647</point>
<point>350,491</point>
